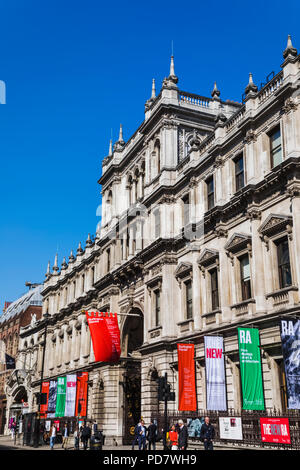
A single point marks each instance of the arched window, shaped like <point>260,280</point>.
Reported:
<point>109,202</point>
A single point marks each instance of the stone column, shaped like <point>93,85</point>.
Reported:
<point>225,293</point>
<point>257,265</point>
<point>250,154</point>
<point>235,391</point>
<point>196,292</point>
<point>295,197</point>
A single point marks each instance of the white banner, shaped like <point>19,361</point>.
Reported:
<point>231,428</point>
<point>71,395</point>
<point>215,373</point>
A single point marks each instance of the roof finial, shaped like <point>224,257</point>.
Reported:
<point>215,93</point>
<point>172,67</point>
<point>251,87</point>
<point>110,148</point>
<point>71,257</point>
<point>55,266</point>
<point>88,241</point>
<point>121,134</point>
<point>64,264</point>
<point>153,94</point>
<point>118,146</point>
<point>79,249</point>
<point>289,50</point>
<point>48,273</point>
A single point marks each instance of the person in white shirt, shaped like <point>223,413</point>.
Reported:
<point>52,436</point>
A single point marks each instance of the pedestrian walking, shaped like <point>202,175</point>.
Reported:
<point>136,436</point>
<point>76,438</point>
<point>142,435</point>
<point>207,434</point>
<point>52,436</point>
<point>65,437</point>
<point>85,435</point>
<point>152,435</point>
<point>173,436</point>
<point>182,436</point>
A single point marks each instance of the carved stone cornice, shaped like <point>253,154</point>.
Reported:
<point>289,105</point>
<point>293,189</point>
<point>250,137</point>
<point>253,213</point>
<point>221,232</point>
<point>193,182</point>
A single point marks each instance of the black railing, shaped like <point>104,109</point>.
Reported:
<point>250,426</point>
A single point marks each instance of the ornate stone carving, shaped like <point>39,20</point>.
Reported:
<point>238,242</point>
<point>250,137</point>
<point>208,257</point>
<point>184,269</point>
<point>276,223</point>
<point>289,105</point>
<point>254,214</point>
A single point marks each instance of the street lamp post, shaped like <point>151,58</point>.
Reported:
<point>46,317</point>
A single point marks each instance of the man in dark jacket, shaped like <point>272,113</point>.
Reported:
<point>207,434</point>
<point>136,436</point>
<point>182,436</point>
<point>85,435</point>
<point>142,430</point>
<point>151,435</point>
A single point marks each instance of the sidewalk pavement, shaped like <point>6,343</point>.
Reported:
<point>6,442</point>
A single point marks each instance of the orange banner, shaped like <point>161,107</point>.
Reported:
<point>105,335</point>
<point>186,378</point>
<point>45,389</point>
<point>81,393</point>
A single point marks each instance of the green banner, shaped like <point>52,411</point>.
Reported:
<point>251,373</point>
<point>61,397</point>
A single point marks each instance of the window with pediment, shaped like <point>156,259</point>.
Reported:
<point>276,232</point>
<point>208,262</point>
<point>239,250</point>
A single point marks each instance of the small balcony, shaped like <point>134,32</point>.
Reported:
<point>247,307</point>
<point>283,298</point>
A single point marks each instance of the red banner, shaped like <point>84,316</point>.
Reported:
<point>81,393</point>
<point>105,335</point>
<point>275,430</point>
<point>186,378</point>
<point>44,408</point>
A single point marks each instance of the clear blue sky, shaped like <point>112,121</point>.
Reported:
<point>74,70</point>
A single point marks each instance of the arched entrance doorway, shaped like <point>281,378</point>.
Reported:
<point>16,409</point>
<point>132,340</point>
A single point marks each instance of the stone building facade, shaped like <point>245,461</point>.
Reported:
<point>17,315</point>
<point>200,234</point>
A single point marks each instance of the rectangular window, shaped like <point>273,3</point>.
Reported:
<point>186,209</point>
<point>210,193</point>
<point>275,147</point>
<point>157,223</point>
<point>239,172</point>
<point>214,289</point>
<point>284,267</point>
<point>245,277</point>
<point>189,299</point>
<point>157,307</point>
<point>108,260</point>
